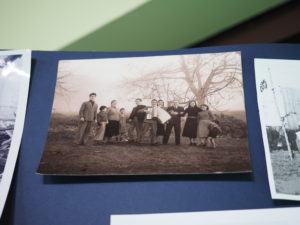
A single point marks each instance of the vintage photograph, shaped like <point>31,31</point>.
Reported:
<point>175,114</point>
<point>14,84</point>
<point>278,94</point>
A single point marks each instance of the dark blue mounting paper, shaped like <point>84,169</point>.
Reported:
<point>36,199</point>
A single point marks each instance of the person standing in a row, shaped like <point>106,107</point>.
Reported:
<point>204,119</point>
<point>113,126</point>
<point>87,115</point>
<point>151,121</point>
<point>176,113</point>
<point>101,122</point>
<point>191,123</point>
<point>160,126</point>
<point>136,119</point>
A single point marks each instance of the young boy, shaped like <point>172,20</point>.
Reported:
<point>214,131</point>
<point>101,122</point>
<point>123,126</point>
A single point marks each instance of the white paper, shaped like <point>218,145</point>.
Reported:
<point>276,216</point>
<point>14,85</point>
<point>163,115</point>
<point>278,95</point>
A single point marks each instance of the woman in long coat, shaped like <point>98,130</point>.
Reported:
<point>113,126</point>
<point>190,126</point>
<point>204,119</point>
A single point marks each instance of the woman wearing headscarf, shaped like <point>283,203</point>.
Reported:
<point>190,126</point>
<point>204,119</point>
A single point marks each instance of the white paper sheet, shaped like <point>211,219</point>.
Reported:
<point>14,85</point>
<point>277,216</point>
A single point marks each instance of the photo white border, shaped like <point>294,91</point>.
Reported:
<point>273,216</point>
<point>19,124</point>
<point>274,193</point>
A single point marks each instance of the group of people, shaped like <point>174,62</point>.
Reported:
<point>114,125</point>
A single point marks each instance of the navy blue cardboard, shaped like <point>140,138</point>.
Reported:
<point>35,199</point>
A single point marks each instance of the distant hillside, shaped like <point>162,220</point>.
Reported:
<point>241,115</point>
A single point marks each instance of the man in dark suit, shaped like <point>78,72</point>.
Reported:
<point>150,122</point>
<point>87,115</point>
<point>176,113</point>
<point>136,119</point>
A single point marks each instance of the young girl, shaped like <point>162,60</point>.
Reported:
<point>101,122</point>
<point>214,131</point>
<point>123,126</point>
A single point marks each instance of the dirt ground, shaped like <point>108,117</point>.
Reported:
<point>63,156</point>
<point>286,172</point>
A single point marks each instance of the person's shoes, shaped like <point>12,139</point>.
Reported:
<point>155,144</point>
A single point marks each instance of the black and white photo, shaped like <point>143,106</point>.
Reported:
<point>14,84</point>
<point>174,114</point>
<point>278,94</point>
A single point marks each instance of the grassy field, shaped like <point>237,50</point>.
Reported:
<point>286,172</point>
<point>63,156</point>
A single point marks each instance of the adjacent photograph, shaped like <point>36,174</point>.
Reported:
<point>174,114</point>
<point>278,95</point>
<point>14,84</point>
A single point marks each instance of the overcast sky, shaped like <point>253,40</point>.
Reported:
<point>282,73</point>
<point>105,76</point>
<point>9,89</point>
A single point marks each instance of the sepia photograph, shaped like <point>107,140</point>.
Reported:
<point>14,84</point>
<point>173,114</point>
<point>278,94</point>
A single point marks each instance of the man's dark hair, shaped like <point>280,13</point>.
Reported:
<point>93,93</point>
<point>102,107</point>
<point>138,99</point>
<point>154,100</point>
<point>122,109</point>
<point>112,101</point>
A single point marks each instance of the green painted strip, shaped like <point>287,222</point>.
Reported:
<point>170,24</point>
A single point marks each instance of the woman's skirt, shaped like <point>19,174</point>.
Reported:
<point>190,128</point>
<point>100,131</point>
<point>203,130</point>
<point>112,128</point>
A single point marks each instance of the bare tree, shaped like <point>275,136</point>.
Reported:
<point>64,86</point>
<point>206,78</point>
